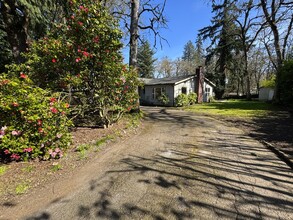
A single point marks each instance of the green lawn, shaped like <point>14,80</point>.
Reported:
<point>234,108</point>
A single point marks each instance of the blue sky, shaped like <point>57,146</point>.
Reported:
<point>185,18</point>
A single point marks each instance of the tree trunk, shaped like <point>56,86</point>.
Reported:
<point>133,33</point>
<point>15,21</point>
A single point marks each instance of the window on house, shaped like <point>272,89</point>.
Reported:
<point>184,90</point>
<point>207,91</point>
<point>157,92</point>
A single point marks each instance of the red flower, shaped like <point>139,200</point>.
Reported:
<point>96,39</point>
<point>80,23</point>
<point>40,130</point>
<point>77,59</point>
<point>54,60</point>
<point>81,7</point>
<point>23,76</point>
<point>54,110</point>
<point>72,17</point>
<point>79,50</point>
<point>40,122</point>
<point>53,99</point>
<point>6,151</point>
<point>86,54</point>
<point>4,82</point>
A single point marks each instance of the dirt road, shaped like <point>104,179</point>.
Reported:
<point>180,166</point>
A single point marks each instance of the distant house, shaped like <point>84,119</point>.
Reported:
<point>266,94</point>
<point>153,88</point>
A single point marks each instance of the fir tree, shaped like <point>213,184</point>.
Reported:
<point>145,60</point>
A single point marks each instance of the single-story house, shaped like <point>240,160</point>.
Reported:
<point>152,89</point>
<point>266,94</point>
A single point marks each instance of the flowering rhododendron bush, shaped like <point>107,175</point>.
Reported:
<point>83,58</point>
<point>33,123</point>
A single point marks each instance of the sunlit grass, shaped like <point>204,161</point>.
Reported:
<point>22,188</point>
<point>235,108</point>
<point>3,170</point>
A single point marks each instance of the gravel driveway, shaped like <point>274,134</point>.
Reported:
<point>180,166</point>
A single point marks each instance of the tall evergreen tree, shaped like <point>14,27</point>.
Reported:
<point>188,59</point>
<point>188,52</point>
<point>221,34</point>
<point>146,60</point>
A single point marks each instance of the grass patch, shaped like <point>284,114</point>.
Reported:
<point>28,169</point>
<point>104,140</point>
<point>235,108</point>
<point>2,170</point>
<point>133,119</point>
<point>22,188</point>
<point>56,167</point>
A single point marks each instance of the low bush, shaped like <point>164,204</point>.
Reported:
<point>33,123</point>
<point>181,100</point>
<point>164,99</point>
<point>192,98</point>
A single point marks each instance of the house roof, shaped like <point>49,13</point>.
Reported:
<point>166,81</point>
<point>171,80</point>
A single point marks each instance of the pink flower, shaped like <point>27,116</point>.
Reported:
<point>57,150</point>
<point>54,60</point>
<point>28,150</point>
<point>80,23</point>
<point>59,136</point>
<point>15,104</point>
<point>16,133</point>
<point>15,156</point>
<point>54,154</point>
<point>6,151</point>
<point>67,105</point>
<point>53,110</point>
<point>77,59</point>
<point>22,75</point>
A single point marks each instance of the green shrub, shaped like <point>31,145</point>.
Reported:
<point>286,82</point>
<point>164,99</point>
<point>192,98</point>
<point>181,100</point>
<point>83,58</point>
<point>269,83</point>
<point>33,123</point>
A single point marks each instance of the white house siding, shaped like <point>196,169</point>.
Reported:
<point>266,94</point>
<point>189,85</point>
<point>208,92</point>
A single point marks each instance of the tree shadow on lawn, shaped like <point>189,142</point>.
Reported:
<point>276,129</point>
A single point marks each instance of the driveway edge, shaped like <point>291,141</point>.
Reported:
<point>278,153</point>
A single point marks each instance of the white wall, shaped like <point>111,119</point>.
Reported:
<point>266,94</point>
<point>189,85</point>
